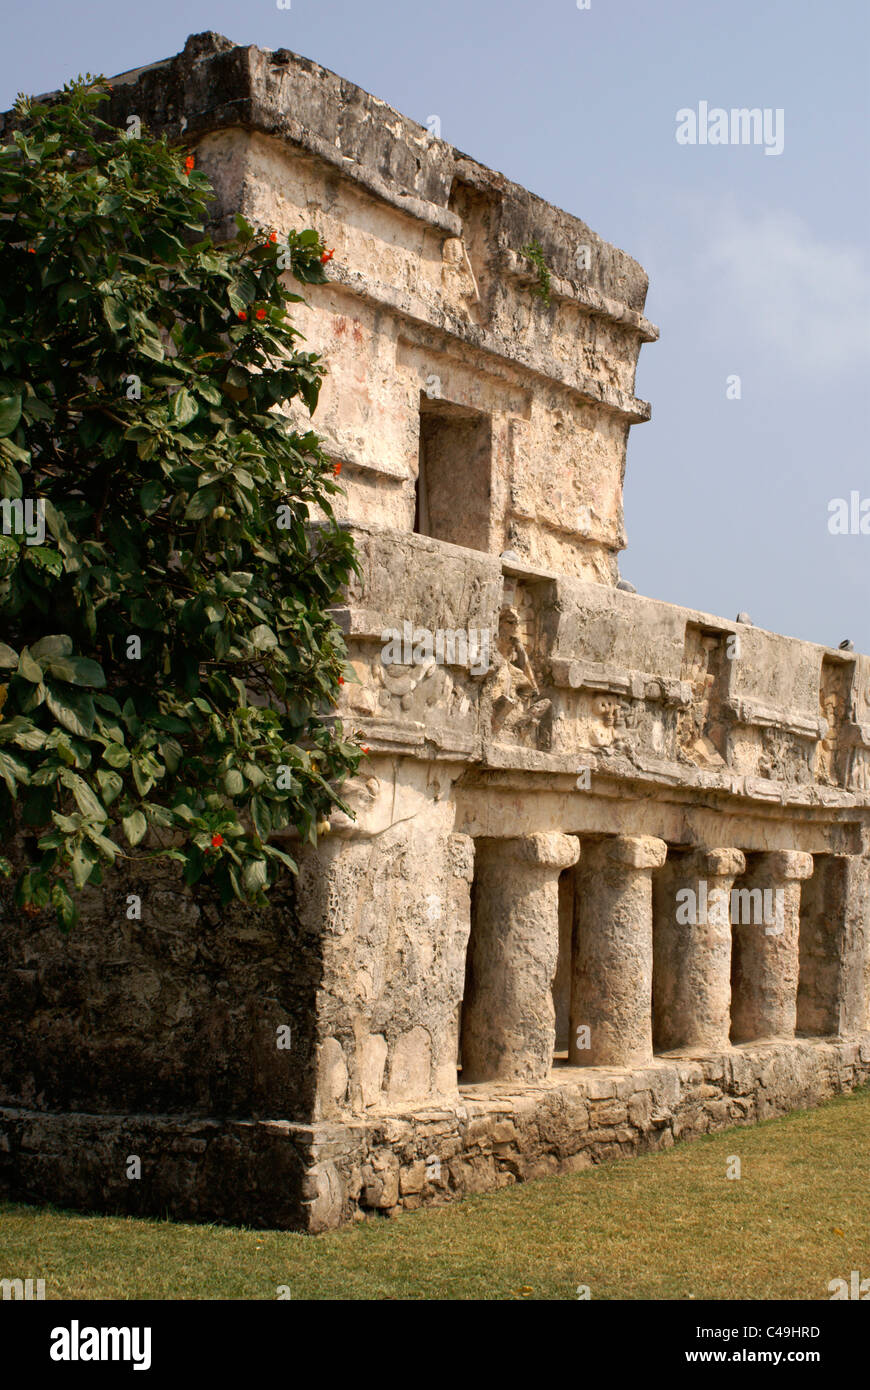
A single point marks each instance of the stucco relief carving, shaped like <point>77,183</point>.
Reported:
<point>518,712</point>
<point>784,758</point>
<point>412,692</point>
<point>858,774</point>
<point>700,729</point>
<point>611,725</point>
<point>457,276</point>
<point>833,708</point>
<point>417,693</point>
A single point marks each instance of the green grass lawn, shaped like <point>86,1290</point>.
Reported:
<point>662,1226</point>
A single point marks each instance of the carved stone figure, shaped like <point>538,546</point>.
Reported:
<point>518,712</point>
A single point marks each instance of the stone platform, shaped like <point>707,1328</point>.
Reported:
<point>271,1173</point>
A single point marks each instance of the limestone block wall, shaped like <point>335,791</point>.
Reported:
<point>623,684</point>
<point>388,898</point>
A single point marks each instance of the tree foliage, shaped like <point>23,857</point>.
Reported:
<point>168,661</point>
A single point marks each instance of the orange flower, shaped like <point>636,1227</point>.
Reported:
<point>217,841</point>
<point>327,256</point>
<point>31,250</point>
<point>261,314</point>
<point>243,316</point>
<point>341,680</point>
<point>337,469</point>
<point>273,237</point>
<point>189,163</point>
<point>365,750</point>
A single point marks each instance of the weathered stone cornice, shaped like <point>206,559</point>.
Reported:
<point>511,354</point>
<point>753,712</point>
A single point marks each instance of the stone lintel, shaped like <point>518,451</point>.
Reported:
<point>786,864</point>
<point>712,863</point>
<point>545,850</point>
<point>753,712</point>
<point>637,851</point>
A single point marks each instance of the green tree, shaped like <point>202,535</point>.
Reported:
<point>168,660</point>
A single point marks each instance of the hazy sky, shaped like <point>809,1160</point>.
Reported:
<point>757,262</point>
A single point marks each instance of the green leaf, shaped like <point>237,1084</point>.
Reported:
<point>52,647</point>
<point>113,312</point>
<point>255,876</point>
<point>151,347</point>
<point>184,407</point>
<point>109,848</point>
<point>13,770</point>
<point>158,815</point>
<point>275,853</point>
<point>111,785</point>
<point>261,818</point>
<point>28,668</point>
<point>67,915</point>
<point>263,638</point>
<point>44,558</point>
<point>126,284</point>
<point>84,861</point>
<point>10,414</point>
<point>116,755</point>
<point>134,827</point>
<point>73,709</point>
<point>86,799</point>
<point>143,779</point>
<point>202,503</point>
<point>151,496</point>
<point>28,736</point>
<point>77,670</point>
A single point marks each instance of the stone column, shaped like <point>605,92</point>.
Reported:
<point>692,949</point>
<point>611,989</point>
<point>766,921</point>
<point>508,1019</point>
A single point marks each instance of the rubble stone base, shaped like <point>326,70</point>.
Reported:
<point>270,1173</point>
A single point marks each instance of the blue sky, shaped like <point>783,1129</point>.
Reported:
<point>757,263</point>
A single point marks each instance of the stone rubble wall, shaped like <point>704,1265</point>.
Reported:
<point>314,1178</point>
<point>174,1012</point>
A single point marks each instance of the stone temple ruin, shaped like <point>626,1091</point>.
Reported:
<point>608,880</point>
